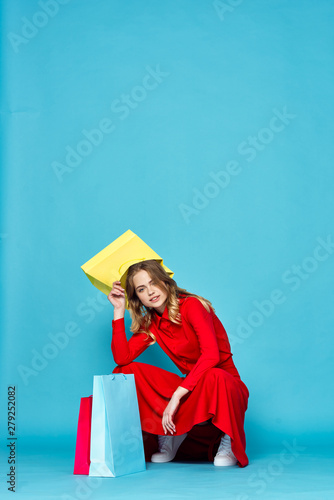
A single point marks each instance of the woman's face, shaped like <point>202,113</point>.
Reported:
<point>148,292</point>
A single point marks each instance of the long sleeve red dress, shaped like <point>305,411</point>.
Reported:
<point>200,348</point>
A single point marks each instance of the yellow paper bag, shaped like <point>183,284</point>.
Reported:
<point>113,262</point>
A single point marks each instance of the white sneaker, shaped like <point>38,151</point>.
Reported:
<point>224,454</point>
<point>168,446</point>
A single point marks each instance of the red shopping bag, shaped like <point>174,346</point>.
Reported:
<point>82,449</point>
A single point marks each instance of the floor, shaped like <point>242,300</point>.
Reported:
<point>281,474</point>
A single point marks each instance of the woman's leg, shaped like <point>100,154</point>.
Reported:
<point>218,395</point>
<point>155,387</point>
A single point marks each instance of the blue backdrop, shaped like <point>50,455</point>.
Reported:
<point>206,128</point>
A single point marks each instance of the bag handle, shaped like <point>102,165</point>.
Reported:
<point>113,377</point>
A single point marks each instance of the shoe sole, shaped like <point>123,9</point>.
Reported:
<point>160,460</point>
<point>217,464</point>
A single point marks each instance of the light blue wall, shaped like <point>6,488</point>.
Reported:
<point>220,159</point>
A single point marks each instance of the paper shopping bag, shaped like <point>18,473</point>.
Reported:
<point>116,437</point>
<point>82,449</point>
<point>113,262</point>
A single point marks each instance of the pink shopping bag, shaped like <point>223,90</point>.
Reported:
<point>82,449</point>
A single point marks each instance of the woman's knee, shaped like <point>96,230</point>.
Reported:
<point>129,368</point>
<point>222,376</point>
<point>133,367</point>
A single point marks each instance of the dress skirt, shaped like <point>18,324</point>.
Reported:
<point>218,395</point>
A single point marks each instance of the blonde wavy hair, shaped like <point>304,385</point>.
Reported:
<point>141,315</point>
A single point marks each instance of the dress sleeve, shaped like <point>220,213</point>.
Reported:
<point>125,351</point>
<point>202,323</point>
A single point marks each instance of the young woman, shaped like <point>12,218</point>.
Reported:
<point>186,327</point>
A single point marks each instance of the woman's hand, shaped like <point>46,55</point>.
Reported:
<point>117,297</point>
<point>168,415</point>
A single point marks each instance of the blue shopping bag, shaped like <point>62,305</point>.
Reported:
<point>116,446</point>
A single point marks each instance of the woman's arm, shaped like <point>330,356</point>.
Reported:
<point>201,322</point>
<point>171,409</point>
<point>125,351</point>
<point>180,392</point>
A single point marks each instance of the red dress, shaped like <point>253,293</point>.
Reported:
<point>200,348</point>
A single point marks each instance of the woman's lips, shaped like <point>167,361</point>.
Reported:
<point>155,299</point>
